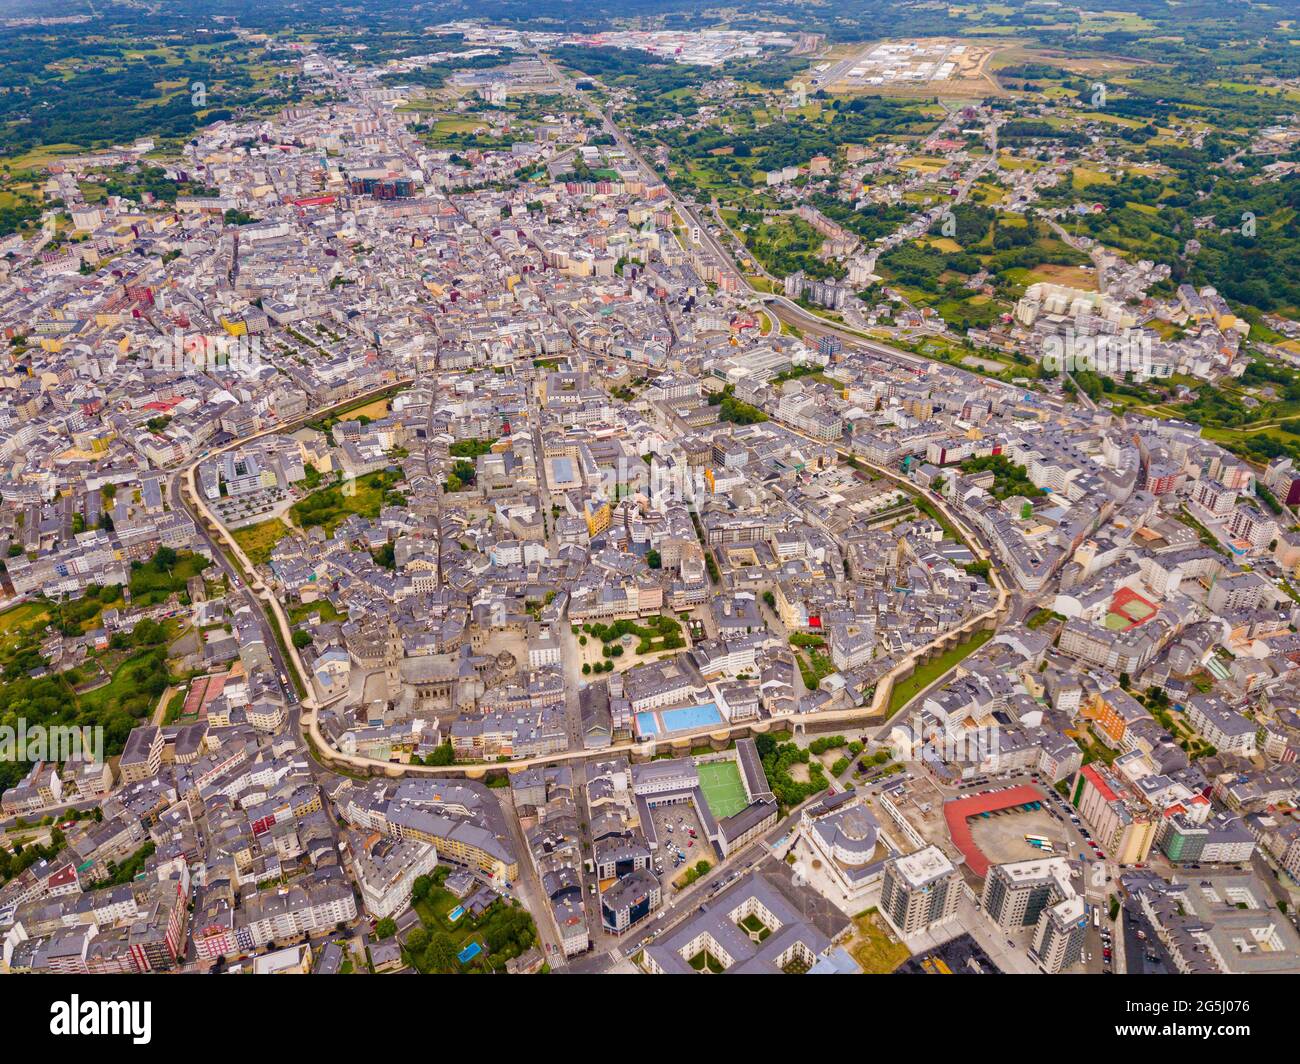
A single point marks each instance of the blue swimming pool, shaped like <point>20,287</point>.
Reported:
<point>690,717</point>
<point>646,724</point>
<point>469,953</point>
<point>456,913</point>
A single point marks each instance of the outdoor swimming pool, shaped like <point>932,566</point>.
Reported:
<point>660,722</point>
<point>690,717</point>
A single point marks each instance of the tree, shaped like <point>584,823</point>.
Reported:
<point>301,639</point>
<point>444,755</point>
<point>653,560</point>
<point>440,955</point>
<point>386,928</point>
<point>418,940</point>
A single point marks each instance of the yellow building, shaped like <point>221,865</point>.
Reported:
<point>597,519</point>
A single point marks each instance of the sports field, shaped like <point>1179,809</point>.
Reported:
<point>720,782</point>
<point>1128,609</point>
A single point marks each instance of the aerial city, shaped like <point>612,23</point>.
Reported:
<point>650,488</point>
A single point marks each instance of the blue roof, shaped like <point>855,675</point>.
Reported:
<point>838,962</point>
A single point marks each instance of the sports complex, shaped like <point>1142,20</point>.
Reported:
<point>663,723</point>
<point>723,790</point>
<point>728,791</point>
<point>1128,609</point>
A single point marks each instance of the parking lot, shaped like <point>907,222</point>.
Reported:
<point>680,819</point>
<point>1001,835</point>
<point>1076,831</point>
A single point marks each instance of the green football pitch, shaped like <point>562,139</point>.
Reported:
<point>720,782</point>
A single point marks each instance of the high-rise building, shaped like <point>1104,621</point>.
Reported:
<point>919,890</point>
<point>1058,938</point>
<point>1016,894</point>
<point>1120,820</point>
<point>1039,894</point>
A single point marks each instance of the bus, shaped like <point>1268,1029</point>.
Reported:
<point>1096,916</point>
<point>1039,839</point>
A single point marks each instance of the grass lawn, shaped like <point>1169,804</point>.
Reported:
<point>151,585</point>
<point>174,706</point>
<point>720,782</point>
<point>1082,178</point>
<point>813,667</point>
<point>13,621</point>
<point>133,683</point>
<point>378,409</point>
<point>329,507</point>
<point>507,924</point>
<point>259,540</point>
<point>905,690</point>
<point>323,607</point>
<point>704,959</point>
<point>873,947</point>
<point>945,244</point>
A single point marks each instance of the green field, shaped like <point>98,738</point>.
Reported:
<point>504,930</point>
<point>874,947</point>
<point>259,540</point>
<point>905,690</point>
<point>329,507</point>
<point>27,616</point>
<point>720,782</point>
